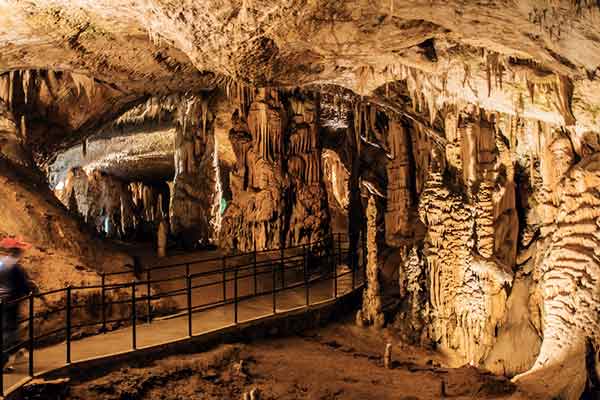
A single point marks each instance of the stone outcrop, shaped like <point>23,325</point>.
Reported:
<point>399,196</point>
<point>114,208</point>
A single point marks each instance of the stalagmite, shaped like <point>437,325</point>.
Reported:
<point>387,356</point>
<point>255,216</point>
<point>255,394</point>
<point>259,211</point>
<point>372,307</point>
<point>162,237</point>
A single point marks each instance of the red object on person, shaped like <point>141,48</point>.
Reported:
<point>10,243</point>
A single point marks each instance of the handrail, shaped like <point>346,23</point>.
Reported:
<point>316,262</point>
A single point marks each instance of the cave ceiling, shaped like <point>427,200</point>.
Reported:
<point>536,58</point>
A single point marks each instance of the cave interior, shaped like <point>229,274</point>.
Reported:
<point>458,141</point>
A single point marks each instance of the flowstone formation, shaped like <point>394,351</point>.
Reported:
<point>567,276</point>
<point>279,197</point>
<point>255,217</point>
<point>308,222</point>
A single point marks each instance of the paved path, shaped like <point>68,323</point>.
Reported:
<point>176,327</point>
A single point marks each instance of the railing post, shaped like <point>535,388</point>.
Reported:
<point>2,346</point>
<point>235,296</point>
<point>254,271</point>
<point>353,266</point>
<point>364,257</point>
<point>339,246</point>
<point>282,267</point>
<point>31,332</point>
<point>68,327</point>
<point>335,280</point>
<point>273,268</point>
<point>189,301</point>
<point>103,301</point>
<point>133,317</point>
<point>224,267</point>
<point>306,281</point>
<point>148,300</point>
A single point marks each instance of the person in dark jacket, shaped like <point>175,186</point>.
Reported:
<point>13,285</point>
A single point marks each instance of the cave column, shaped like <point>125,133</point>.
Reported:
<point>399,202</point>
<point>12,145</point>
<point>194,195</point>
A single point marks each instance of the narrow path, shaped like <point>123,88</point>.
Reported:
<point>176,327</point>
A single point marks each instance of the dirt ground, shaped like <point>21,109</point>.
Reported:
<point>340,361</point>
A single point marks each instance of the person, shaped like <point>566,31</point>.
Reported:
<point>13,285</point>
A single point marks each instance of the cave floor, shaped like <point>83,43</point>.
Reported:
<point>340,361</point>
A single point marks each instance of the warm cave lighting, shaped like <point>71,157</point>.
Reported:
<point>252,199</point>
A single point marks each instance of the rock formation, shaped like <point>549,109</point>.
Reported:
<point>195,200</point>
<point>256,216</point>
<point>399,196</point>
<point>308,222</point>
<point>372,305</point>
<point>277,185</point>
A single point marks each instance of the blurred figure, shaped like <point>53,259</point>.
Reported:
<point>13,285</point>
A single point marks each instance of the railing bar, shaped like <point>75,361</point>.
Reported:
<point>103,302</point>
<point>133,317</point>
<point>148,298</point>
<point>31,334</point>
<point>68,326</point>
<point>189,301</point>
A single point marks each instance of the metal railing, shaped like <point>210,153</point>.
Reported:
<point>292,268</point>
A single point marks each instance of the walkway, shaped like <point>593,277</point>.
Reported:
<point>255,300</point>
